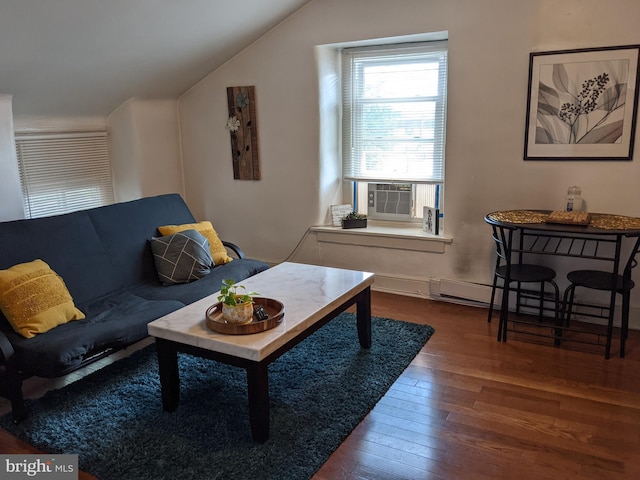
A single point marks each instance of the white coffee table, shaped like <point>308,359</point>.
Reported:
<point>312,296</point>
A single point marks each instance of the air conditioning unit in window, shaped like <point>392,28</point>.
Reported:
<point>390,201</point>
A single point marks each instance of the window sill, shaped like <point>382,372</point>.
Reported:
<point>384,235</point>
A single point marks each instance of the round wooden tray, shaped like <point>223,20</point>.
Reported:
<point>274,308</point>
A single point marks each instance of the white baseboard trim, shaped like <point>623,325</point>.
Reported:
<point>408,286</point>
<point>480,295</point>
<point>456,290</point>
<point>435,289</point>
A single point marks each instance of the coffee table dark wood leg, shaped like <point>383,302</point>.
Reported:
<point>169,375</point>
<point>363,305</point>
<point>258,383</point>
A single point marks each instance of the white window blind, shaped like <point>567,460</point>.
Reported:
<point>394,112</point>
<point>64,172</point>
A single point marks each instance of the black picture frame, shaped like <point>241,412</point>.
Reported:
<point>582,104</point>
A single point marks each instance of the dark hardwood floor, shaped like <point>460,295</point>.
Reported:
<point>469,407</point>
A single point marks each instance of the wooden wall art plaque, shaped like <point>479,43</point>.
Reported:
<point>243,128</point>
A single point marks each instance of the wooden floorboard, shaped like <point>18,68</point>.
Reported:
<point>469,407</point>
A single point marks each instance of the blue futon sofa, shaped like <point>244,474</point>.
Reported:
<point>104,257</point>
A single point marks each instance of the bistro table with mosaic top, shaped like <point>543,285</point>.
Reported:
<point>595,236</point>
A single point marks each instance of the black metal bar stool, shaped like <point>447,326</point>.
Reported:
<point>616,283</point>
<point>519,273</point>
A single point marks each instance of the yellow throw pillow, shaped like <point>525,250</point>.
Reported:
<point>218,250</point>
<point>35,299</point>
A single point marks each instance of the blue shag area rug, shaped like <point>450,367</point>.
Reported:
<point>320,390</point>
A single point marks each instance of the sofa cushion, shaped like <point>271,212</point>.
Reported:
<point>34,299</point>
<point>181,257</point>
<point>116,321</point>
<point>70,245</point>
<point>218,250</point>
<point>187,293</point>
<point>125,228</point>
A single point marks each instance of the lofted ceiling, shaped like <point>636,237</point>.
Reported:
<point>86,57</point>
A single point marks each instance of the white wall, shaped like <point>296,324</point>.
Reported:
<point>489,45</point>
<point>10,194</point>
<point>124,153</point>
<point>144,145</point>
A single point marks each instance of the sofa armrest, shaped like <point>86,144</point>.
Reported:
<point>11,381</point>
<point>6,350</point>
<point>235,248</point>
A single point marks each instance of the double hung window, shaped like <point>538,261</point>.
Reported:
<point>393,131</point>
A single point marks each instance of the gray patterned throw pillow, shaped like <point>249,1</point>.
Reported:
<point>181,257</point>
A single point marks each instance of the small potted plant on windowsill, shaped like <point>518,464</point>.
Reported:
<point>354,220</point>
<point>236,307</point>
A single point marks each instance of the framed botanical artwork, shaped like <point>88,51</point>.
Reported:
<point>582,104</point>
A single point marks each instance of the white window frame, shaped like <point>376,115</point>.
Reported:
<point>62,172</point>
<point>429,183</point>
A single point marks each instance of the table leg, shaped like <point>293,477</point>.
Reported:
<point>169,374</point>
<point>612,304</point>
<point>363,316</point>
<point>504,312</point>
<point>258,384</point>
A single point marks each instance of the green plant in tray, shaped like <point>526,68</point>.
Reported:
<point>355,216</point>
<point>229,294</point>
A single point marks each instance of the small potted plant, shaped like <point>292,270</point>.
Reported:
<point>236,307</point>
<point>354,220</point>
